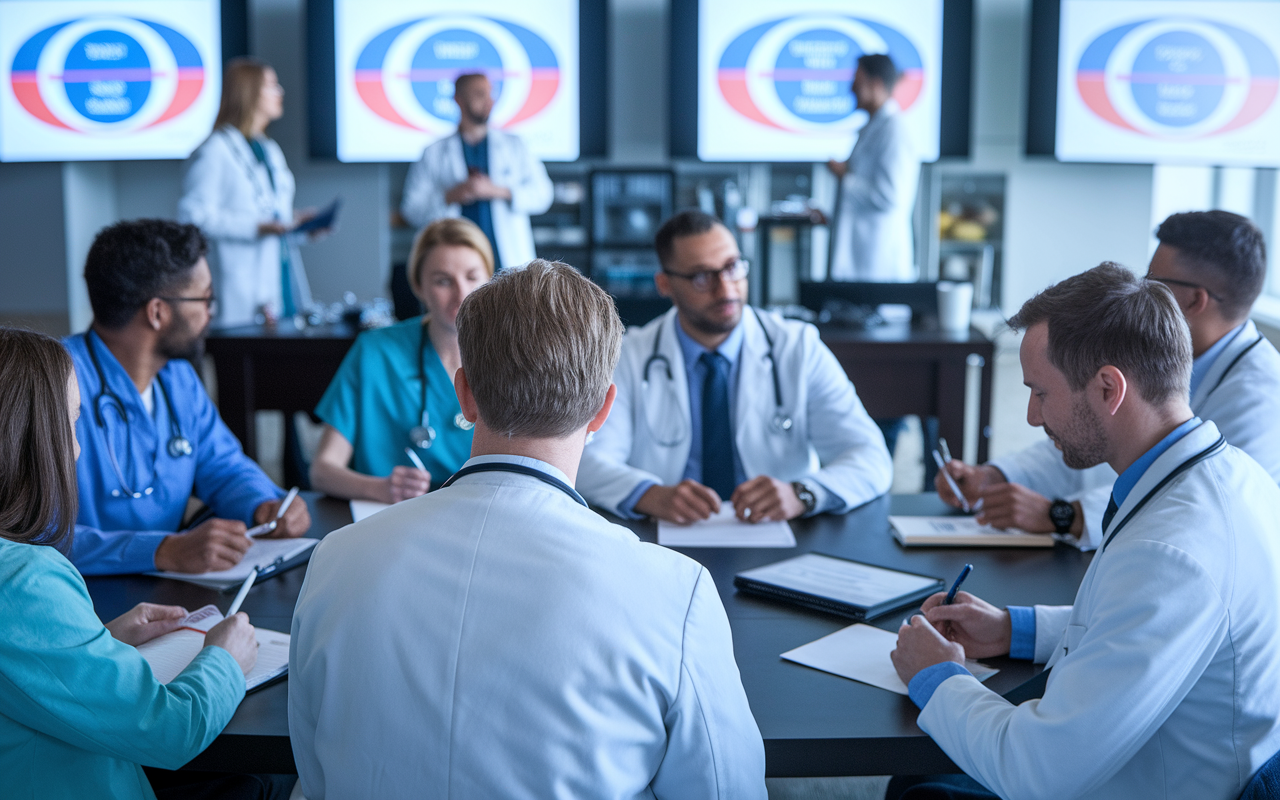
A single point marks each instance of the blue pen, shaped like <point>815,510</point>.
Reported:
<point>955,587</point>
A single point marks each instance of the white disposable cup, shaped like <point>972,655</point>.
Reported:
<point>955,305</point>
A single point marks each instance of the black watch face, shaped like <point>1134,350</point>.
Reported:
<point>1061,514</point>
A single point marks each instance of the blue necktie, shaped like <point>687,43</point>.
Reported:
<point>1112,508</point>
<point>717,436</point>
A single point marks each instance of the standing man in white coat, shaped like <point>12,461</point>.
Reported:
<point>239,191</point>
<point>878,182</point>
<point>1215,263</point>
<point>1166,670</point>
<point>482,173</point>
<point>496,638</point>
<point>715,404</point>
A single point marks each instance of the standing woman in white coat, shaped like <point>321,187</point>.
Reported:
<point>239,191</point>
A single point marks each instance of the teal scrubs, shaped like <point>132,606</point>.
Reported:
<point>79,710</point>
<point>374,401</point>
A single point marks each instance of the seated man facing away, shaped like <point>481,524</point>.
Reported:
<point>151,437</point>
<point>714,404</point>
<point>1215,263</point>
<point>1166,670</point>
<point>496,638</point>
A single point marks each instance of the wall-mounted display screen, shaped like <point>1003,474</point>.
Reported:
<point>84,80</point>
<point>395,62</point>
<point>1141,81</point>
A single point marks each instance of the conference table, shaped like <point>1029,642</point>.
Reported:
<point>813,723</point>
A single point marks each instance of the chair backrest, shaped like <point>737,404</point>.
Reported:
<point>1265,784</point>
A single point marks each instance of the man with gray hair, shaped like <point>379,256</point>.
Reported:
<point>1166,670</point>
<point>496,638</point>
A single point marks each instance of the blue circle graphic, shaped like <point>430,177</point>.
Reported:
<point>107,76</point>
<point>812,72</point>
<point>1178,78</point>
<point>441,58</point>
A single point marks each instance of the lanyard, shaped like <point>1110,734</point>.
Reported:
<point>1208,452</point>
<point>518,469</point>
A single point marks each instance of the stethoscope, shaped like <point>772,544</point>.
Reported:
<point>422,435</point>
<point>518,469</point>
<point>177,446</point>
<point>266,195</point>
<point>781,422</point>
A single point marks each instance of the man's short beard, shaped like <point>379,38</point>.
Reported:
<point>180,342</point>
<point>1085,443</point>
<point>709,326</point>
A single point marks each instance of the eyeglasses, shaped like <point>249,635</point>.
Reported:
<point>702,281</point>
<point>1188,284</point>
<point>210,302</point>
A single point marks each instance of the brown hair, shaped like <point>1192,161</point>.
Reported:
<point>242,81</point>
<point>37,455</point>
<point>455,231</point>
<point>1108,315</point>
<point>539,345</point>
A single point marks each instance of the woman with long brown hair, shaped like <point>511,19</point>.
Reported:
<point>80,709</point>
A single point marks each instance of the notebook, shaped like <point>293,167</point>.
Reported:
<point>838,585</point>
<point>170,654</point>
<point>268,555</point>
<point>959,531</point>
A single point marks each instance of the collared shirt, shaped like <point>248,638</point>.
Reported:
<point>116,533</point>
<point>1022,619</point>
<point>524,461</point>
<point>480,212</point>
<point>1204,362</point>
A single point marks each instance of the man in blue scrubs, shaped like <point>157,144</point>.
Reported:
<point>150,436</point>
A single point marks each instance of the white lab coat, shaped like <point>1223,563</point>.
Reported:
<point>226,192</point>
<point>1166,670</point>
<point>496,638</point>
<point>442,167</point>
<point>832,441</point>
<point>1242,400</point>
<point>873,238</point>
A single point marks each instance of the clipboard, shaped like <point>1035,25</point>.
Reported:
<point>326,218</point>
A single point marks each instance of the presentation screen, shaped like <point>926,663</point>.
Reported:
<point>774,77</point>
<point>395,62</point>
<point>85,80</point>
<point>1151,82</point>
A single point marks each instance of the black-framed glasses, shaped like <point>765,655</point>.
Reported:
<point>1188,284</point>
<point>210,302</point>
<point>703,281</point>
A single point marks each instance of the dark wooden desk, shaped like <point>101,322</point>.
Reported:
<point>897,371</point>
<point>813,723</point>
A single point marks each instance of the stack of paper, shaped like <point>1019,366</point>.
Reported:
<point>170,654</point>
<point>962,532</point>
<point>861,653</point>
<point>726,530</point>
<point>265,554</point>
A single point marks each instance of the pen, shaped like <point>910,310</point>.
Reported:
<point>417,462</point>
<point>955,587</point>
<point>259,530</point>
<point>946,451</point>
<point>288,498</point>
<point>244,590</point>
<point>951,482</point>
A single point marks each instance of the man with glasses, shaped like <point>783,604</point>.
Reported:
<point>1215,264</point>
<point>719,402</point>
<point>150,437</point>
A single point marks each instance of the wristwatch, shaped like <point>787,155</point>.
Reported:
<point>1062,514</point>
<point>805,495</point>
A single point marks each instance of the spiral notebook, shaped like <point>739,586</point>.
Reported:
<point>170,654</point>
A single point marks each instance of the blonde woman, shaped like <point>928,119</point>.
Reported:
<point>394,389</point>
<point>239,191</point>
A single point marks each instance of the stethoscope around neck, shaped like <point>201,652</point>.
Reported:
<point>422,435</point>
<point>177,446</point>
<point>781,422</point>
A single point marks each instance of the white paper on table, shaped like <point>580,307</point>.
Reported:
<point>725,530</point>
<point>363,509</point>
<point>861,653</point>
<point>170,654</point>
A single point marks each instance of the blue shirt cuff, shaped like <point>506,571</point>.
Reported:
<point>627,508</point>
<point>927,681</point>
<point>1022,642</point>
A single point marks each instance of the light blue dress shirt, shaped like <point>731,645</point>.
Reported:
<point>1204,362</point>
<point>1022,619</point>
<point>120,534</point>
<point>375,400</point>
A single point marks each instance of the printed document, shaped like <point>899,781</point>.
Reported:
<point>725,530</point>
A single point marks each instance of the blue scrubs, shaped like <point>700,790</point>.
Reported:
<point>117,533</point>
<point>375,400</point>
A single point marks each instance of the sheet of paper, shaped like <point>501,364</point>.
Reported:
<point>956,526</point>
<point>839,579</point>
<point>362,509</point>
<point>261,554</point>
<point>861,653</point>
<point>170,654</point>
<point>725,530</point>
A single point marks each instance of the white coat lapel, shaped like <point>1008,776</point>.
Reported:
<point>754,395</point>
<point>1243,341</point>
<point>679,385</point>
<point>263,195</point>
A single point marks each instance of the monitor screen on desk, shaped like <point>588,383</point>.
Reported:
<point>86,80</point>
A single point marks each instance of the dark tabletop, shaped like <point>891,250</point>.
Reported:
<point>813,723</point>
